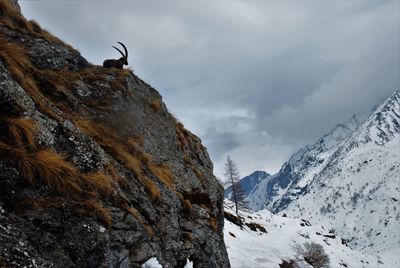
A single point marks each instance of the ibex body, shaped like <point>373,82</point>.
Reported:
<point>119,64</point>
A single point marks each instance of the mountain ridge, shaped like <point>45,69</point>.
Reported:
<point>328,181</point>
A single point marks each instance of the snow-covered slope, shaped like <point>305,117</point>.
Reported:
<point>248,248</point>
<point>303,165</point>
<point>348,180</point>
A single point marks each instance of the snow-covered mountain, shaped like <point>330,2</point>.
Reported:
<point>348,180</point>
<point>249,182</point>
<point>264,240</point>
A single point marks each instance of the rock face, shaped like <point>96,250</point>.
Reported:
<point>94,170</point>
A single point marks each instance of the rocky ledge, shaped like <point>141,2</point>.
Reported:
<point>94,170</point>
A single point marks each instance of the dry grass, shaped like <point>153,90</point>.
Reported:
<point>187,160</point>
<point>155,105</point>
<point>152,190</point>
<point>180,135</point>
<point>130,154</point>
<point>113,172</point>
<point>98,182</point>
<point>19,64</point>
<point>22,131</point>
<point>35,27</point>
<point>54,171</point>
<point>187,207</point>
<point>40,167</point>
<point>45,166</point>
<point>12,18</point>
<point>214,224</point>
<point>136,214</point>
<point>130,161</point>
<point>98,210</point>
<point>187,236</point>
<point>196,171</point>
<point>61,176</point>
<point>162,172</point>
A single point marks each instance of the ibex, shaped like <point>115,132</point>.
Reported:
<point>119,64</point>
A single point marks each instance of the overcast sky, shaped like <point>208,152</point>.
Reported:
<point>253,79</point>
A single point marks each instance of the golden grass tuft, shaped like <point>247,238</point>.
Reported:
<point>186,159</point>
<point>163,172</point>
<point>98,182</point>
<point>112,144</point>
<point>22,131</point>
<point>214,224</point>
<point>35,27</point>
<point>129,153</point>
<point>57,173</point>
<point>11,16</point>
<point>98,210</point>
<point>136,214</point>
<point>155,105</point>
<point>149,230</point>
<point>187,207</point>
<point>152,190</point>
<point>20,66</point>
<point>198,173</point>
<point>112,171</point>
<point>131,162</point>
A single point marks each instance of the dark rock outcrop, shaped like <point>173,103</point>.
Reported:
<point>94,170</point>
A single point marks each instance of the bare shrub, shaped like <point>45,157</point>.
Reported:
<point>287,264</point>
<point>313,254</point>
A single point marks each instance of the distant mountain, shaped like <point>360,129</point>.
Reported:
<point>306,162</point>
<point>349,180</point>
<point>248,183</point>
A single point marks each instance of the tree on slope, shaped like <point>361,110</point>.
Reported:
<point>232,174</point>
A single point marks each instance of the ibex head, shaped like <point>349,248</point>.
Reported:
<point>119,64</point>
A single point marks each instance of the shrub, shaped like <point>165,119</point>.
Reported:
<point>287,264</point>
<point>313,254</point>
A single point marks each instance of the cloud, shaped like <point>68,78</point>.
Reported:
<point>254,79</point>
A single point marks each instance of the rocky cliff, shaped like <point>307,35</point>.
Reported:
<point>94,170</point>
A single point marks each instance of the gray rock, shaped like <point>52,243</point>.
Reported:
<point>43,227</point>
<point>54,56</point>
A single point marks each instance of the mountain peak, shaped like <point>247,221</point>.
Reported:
<point>348,179</point>
<point>385,121</point>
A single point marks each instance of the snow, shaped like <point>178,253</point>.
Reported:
<point>188,264</point>
<point>152,263</point>
<point>258,249</point>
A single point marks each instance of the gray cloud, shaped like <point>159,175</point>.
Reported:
<point>254,79</point>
